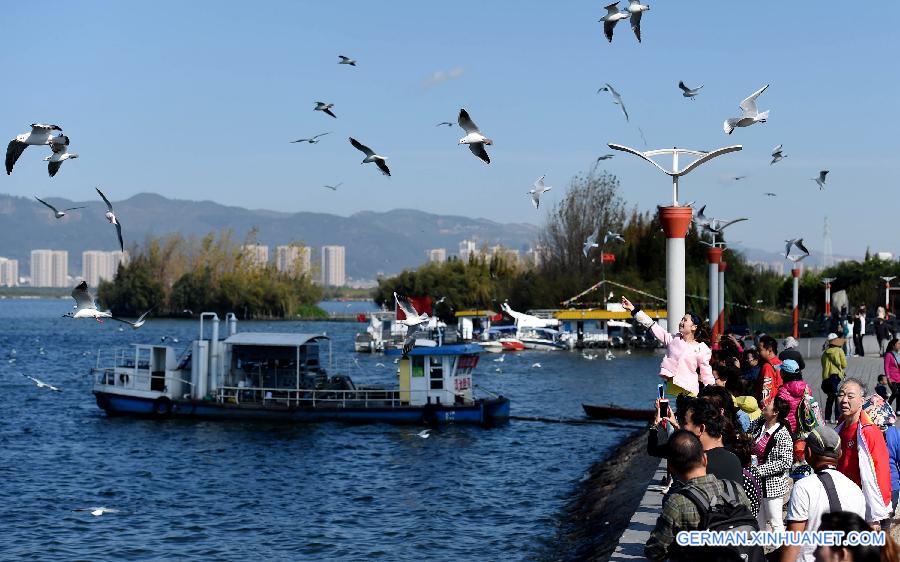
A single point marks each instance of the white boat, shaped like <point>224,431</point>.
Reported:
<point>538,333</point>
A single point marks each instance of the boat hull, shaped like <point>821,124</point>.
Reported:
<point>483,412</point>
<point>614,412</point>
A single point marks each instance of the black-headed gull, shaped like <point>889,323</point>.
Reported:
<point>820,181</point>
<point>413,318</point>
<point>60,147</point>
<point>371,156</point>
<point>790,244</point>
<point>85,307</point>
<point>424,434</point>
<point>617,99</point>
<point>750,114</point>
<point>474,138</point>
<point>777,155</point>
<point>535,365</point>
<point>346,60</point>
<point>137,323</point>
<point>770,194</point>
<point>614,236</point>
<point>700,219</point>
<point>334,187</point>
<point>612,17</point>
<point>635,8</point>
<point>111,217</point>
<point>716,226</point>
<point>312,140</point>
<point>605,157</point>
<point>57,213</point>
<point>591,241</point>
<point>688,92</point>
<point>447,123</point>
<point>537,191</point>
<point>41,384</point>
<point>325,108</point>
<point>97,511</point>
<point>40,134</point>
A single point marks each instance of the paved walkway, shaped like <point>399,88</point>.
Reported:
<point>867,369</point>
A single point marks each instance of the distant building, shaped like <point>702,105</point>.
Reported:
<point>438,255</point>
<point>333,266</point>
<point>9,272</point>
<point>762,267</point>
<point>49,268</point>
<point>97,265</point>
<point>502,251</point>
<point>467,249</point>
<point>257,254</point>
<point>293,260</point>
<point>536,256</point>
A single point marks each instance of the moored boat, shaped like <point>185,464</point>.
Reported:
<point>286,377</point>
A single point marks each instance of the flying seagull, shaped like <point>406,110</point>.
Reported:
<point>770,194</point>
<point>617,99</point>
<point>700,219</point>
<point>59,214</point>
<point>473,138</point>
<point>821,179</point>
<point>689,92</point>
<point>312,140</point>
<point>97,511</point>
<point>41,384</point>
<point>612,17</point>
<point>334,187</point>
<point>424,434</point>
<point>325,107</point>
<point>777,155</point>
<point>346,60</point>
<point>137,323</point>
<point>371,156</point>
<point>40,134</point>
<point>716,226</point>
<point>85,307</point>
<point>537,191</point>
<point>447,123</point>
<point>738,178</point>
<point>790,244</point>
<point>413,318</point>
<point>614,236</point>
<point>111,217</point>
<point>591,241</point>
<point>60,147</point>
<point>635,8</point>
<point>604,157</point>
<point>750,114</point>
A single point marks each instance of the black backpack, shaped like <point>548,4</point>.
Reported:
<point>725,513</point>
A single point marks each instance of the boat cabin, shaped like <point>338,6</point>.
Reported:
<point>146,370</point>
<point>438,375</point>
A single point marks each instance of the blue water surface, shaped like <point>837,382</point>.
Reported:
<point>260,491</point>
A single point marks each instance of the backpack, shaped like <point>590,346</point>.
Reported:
<point>808,415</point>
<point>724,513</point>
<point>880,412</point>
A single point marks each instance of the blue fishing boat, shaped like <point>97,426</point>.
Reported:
<point>287,377</point>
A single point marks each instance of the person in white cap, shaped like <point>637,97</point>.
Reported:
<point>790,351</point>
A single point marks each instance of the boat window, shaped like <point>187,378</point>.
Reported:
<point>418,366</point>
<point>436,368</point>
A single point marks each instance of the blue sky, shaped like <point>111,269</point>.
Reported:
<point>199,100</point>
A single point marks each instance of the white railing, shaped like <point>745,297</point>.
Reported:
<point>133,380</point>
<point>324,398</point>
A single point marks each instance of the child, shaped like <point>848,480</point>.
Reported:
<point>882,387</point>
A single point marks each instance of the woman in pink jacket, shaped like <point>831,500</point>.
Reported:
<point>686,363</point>
<point>892,370</point>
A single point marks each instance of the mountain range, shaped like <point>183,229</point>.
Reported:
<point>375,242</point>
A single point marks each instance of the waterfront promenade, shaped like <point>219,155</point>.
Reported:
<point>867,369</point>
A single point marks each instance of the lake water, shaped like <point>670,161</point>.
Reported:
<point>258,491</point>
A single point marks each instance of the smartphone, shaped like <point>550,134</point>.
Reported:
<point>663,401</point>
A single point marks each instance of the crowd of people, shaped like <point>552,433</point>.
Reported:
<point>747,445</point>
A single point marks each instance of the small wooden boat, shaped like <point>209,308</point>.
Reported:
<point>607,412</point>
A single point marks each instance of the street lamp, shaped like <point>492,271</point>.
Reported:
<point>675,219</point>
<point>887,291</point>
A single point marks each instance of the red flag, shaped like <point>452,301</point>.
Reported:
<point>497,317</point>
<point>421,304</point>
<point>607,258</point>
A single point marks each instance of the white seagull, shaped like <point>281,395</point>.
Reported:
<point>777,155</point>
<point>111,217</point>
<point>60,147</point>
<point>85,307</point>
<point>605,157</point>
<point>500,359</point>
<point>750,114</point>
<point>346,60</point>
<point>424,434</point>
<point>790,244</point>
<point>609,355</point>
<point>591,241</point>
<point>57,213</point>
<point>535,365</point>
<point>137,323</point>
<point>413,318</point>
<point>312,140</point>
<point>325,108</point>
<point>821,179</point>
<point>612,17</point>
<point>635,8</point>
<point>97,511</point>
<point>539,189</point>
<point>474,138</point>
<point>614,236</point>
<point>447,123</point>
<point>617,99</point>
<point>716,226</point>
<point>371,156</point>
<point>689,92</point>
<point>40,134</point>
<point>334,187</point>
<point>700,219</point>
<point>41,384</point>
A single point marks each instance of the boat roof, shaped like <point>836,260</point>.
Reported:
<point>454,349</point>
<point>601,314</point>
<point>273,339</point>
<point>474,313</point>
